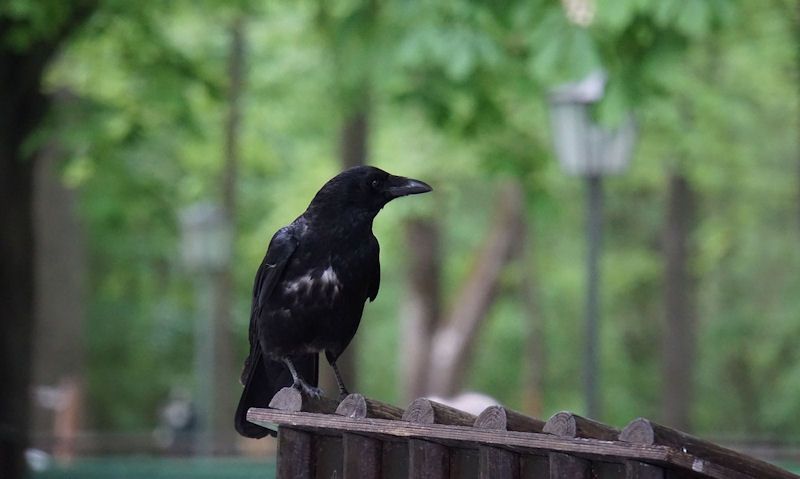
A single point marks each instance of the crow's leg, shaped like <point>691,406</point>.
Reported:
<point>299,383</point>
<point>342,389</point>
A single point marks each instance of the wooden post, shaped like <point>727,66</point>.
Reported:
<point>358,406</point>
<point>425,411</point>
<point>295,459</point>
<point>566,424</point>
<point>500,418</point>
<point>426,459</point>
<point>497,462</point>
<point>644,431</point>
<point>290,399</point>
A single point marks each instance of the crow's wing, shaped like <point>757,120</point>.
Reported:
<point>280,250</point>
<point>261,377</point>
<point>374,271</point>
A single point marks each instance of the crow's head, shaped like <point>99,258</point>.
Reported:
<point>364,189</point>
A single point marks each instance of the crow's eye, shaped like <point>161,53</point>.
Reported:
<point>376,184</point>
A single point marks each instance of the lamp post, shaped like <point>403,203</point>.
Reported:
<point>205,250</point>
<point>585,148</point>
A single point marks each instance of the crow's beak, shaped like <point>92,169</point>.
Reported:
<point>399,186</point>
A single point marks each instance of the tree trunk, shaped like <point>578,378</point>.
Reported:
<point>452,343</point>
<point>22,107</point>
<point>679,305</point>
<point>534,366</point>
<point>224,371</point>
<point>60,272</point>
<point>422,308</point>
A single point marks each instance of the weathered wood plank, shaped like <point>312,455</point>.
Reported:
<point>566,466</point>
<point>464,463</point>
<point>327,456</point>
<point>428,460</point>
<point>607,470</point>
<point>567,424</point>
<point>295,459</point>
<point>641,470</point>
<point>644,431</point>
<point>518,441</point>
<point>363,457</point>
<point>358,406</point>
<point>394,463</point>
<point>425,411</point>
<point>290,399</point>
<point>494,462</point>
<point>534,466</point>
<point>498,417</point>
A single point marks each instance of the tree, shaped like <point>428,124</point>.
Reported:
<point>29,40</point>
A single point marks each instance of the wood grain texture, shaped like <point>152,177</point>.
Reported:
<point>290,399</point>
<point>567,466</point>
<point>567,424</point>
<point>425,411</point>
<point>363,457</point>
<point>494,462</point>
<point>517,441</point>
<point>428,460</point>
<point>295,460</point>
<point>500,418</point>
<point>641,470</point>
<point>358,406</point>
<point>646,432</point>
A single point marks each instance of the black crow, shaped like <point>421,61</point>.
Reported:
<point>312,285</point>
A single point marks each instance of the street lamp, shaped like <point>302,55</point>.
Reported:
<point>585,148</point>
<point>205,250</point>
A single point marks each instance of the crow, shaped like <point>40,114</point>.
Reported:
<point>311,287</point>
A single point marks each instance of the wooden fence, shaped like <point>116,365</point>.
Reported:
<point>366,439</point>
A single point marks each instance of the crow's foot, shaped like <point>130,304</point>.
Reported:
<point>307,389</point>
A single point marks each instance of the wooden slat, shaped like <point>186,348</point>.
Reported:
<point>533,466</point>
<point>494,462</point>
<point>425,411</point>
<point>290,399</point>
<point>327,454</point>
<point>394,463</point>
<point>362,456</point>
<point>641,470</point>
<point>566,466</point>
<point>295,460</point>
<point>464,463</point>
<point>567,424</point>
<point>358,406</point>
<point>519,441</point>
<point>607,470</point>
<point>427,460</point>
<point>644,431</point>
<point>498,417</point>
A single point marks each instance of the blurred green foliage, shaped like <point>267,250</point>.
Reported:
<point>458,97</point>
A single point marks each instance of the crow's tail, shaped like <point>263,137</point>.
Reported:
<point>264,379</point>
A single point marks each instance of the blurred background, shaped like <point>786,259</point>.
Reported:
<point>614,228</point>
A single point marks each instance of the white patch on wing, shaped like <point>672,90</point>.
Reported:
<point>329,278</point>
<point>301,283</point>
<point>324,286</point>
